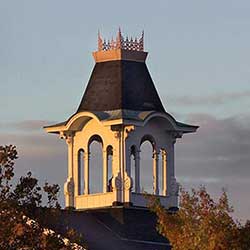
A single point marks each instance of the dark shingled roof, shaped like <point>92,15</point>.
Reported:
<point>122,85</point>
<point>115,228</point>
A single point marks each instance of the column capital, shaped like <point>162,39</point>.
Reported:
<point>164,152</point>
<point>137,154</point>
<point>175,135</point>
<point>156,154</point>
<point>86,155</point>
<point>128,130</point>
<point>67,136</point>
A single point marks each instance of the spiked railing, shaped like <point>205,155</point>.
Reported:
<point>121,43</point>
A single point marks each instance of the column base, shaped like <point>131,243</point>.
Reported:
<point>70,208</point>
<point>128,204</point>
<point>117,203</point>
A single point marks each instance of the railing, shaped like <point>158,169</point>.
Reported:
<point>138,199</point>
<point>94,200</point>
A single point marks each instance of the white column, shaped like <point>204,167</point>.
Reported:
<point>86,173</point>
<point>155,173</point>
<point>69,141</point>
<point>164,172</point>
<point>105,170</point>
<point>69,184</point>
<point>137,172</point>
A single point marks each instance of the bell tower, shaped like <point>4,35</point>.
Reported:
<point>120,109</point>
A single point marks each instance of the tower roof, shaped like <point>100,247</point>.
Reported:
<point>120,84</point>
<point>120,79</point>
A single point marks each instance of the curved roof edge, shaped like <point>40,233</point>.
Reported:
<point>119,116</point>
<point>178,126</point>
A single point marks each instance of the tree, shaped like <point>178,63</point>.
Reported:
<point>201,223</point>
<point>23,221</point>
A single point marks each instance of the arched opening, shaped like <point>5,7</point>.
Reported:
<point>80,171</point>
<point>132,166</point>
<point>95,164</point>
<point>109,167</point>
<point>146,164</point>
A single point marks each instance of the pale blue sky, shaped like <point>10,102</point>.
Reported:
<point>199,59</point>
<point>196,48</point>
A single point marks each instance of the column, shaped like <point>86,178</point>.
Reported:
<point>69,141</point>
<point>69,184</point>
<point>164,172</point>
<point>105,170</point>
<point>137,172</point>
<point>86,173</point>
<point>155,173</point>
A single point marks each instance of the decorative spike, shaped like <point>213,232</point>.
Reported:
<point>141,42</point>
<point>119,39</point>
<point>119,32</point>
<point>100,43</point>
<point>112,44</point>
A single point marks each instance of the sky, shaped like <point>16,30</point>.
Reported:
<point>198,58</point>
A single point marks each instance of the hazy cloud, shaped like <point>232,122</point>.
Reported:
<point>27,125</point>
<point>214,99</point>
<point>217,156</point>
<point>220,147</point>
<point>43,154</point>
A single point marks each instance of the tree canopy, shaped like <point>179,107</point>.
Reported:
<point>201,223</point>
<point>23,219</point>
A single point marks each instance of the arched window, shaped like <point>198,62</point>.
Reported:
<point>80,171</point>
<point>146,164</point>
<point>95,164</point>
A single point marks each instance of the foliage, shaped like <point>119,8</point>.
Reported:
<point>23,221</point>
<point>52,191</point>
<point>201,223</point>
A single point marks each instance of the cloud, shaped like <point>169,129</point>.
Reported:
<point>215,99</point>
<point>42,154</point>
<point>26,126</point>
<point>221,146</point>
<point>217,156</point>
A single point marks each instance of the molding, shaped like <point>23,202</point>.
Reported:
<point>118,55</point>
